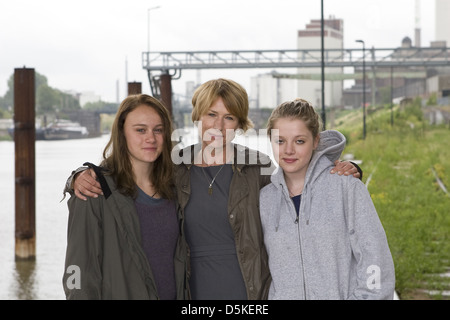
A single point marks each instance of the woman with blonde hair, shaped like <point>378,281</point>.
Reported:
<point>322,232</point>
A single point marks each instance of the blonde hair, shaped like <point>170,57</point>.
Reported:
<point>296,109</point>
<point>115,154</point>
<point>233,95</point>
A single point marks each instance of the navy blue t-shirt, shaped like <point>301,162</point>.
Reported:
<point>297,200</point>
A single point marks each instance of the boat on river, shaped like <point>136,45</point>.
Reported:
<point>65,129</point>
<point>59,130</point>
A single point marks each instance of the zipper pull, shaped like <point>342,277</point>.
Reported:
<point>296,220</point>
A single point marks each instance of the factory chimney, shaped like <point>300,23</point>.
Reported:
<point>417,35</point>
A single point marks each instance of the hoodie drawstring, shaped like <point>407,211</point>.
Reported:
<point>277,209</point>
<point>306,201</point>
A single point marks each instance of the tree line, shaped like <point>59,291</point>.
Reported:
<point>49,100</point>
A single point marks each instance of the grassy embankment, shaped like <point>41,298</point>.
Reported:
<point>413,209</point>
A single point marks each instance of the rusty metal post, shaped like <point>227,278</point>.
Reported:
<point>134,88</point>
<point>166,91</point>
<point>24,144</point>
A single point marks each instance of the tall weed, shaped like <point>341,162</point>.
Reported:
<point>414,211</point>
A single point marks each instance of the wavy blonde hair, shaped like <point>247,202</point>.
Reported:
<point>115,155</point>
<point>233,95</point>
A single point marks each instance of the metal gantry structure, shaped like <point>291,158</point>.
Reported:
<point>176,61</point>
<point>162,67</point>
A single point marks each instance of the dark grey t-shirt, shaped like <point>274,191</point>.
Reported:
<point>215,271</point>
<point>159,234</point>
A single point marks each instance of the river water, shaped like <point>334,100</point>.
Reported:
<point>42,279</point>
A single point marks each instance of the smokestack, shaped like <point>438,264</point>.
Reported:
<point>442,21</point>
<point>126,76</point>
<point>417,35</point>
<point>117,91</point>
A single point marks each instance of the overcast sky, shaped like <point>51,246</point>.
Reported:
<point>82,45</point>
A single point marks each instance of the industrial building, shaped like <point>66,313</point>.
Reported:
<point>382,83</point>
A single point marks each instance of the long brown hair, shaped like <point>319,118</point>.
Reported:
<point>115,154</point>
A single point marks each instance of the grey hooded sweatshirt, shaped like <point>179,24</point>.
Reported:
<point>337,248</point>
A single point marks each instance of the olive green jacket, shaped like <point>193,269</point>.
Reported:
<point>251,172</point>
<point>104,258</point>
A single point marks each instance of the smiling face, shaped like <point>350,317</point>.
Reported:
<point>218,125</point>
<point>143,130</point>
<point>293,145</point>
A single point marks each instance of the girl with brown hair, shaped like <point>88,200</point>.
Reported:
<point>126,244</point>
